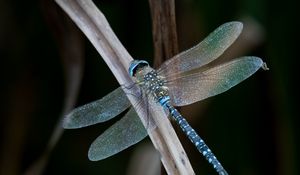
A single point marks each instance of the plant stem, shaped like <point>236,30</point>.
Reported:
<point>94,25</point>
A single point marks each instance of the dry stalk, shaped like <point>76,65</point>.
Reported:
<point>94,25</point>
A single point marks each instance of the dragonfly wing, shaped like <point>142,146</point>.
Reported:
<point>124,133</point>
<point>98,111</point>
<point>193,87</point>
<point>206,51</point>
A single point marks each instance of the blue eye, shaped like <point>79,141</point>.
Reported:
<point>135,65</point>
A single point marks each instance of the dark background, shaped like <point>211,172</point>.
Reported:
<point>253,128</point>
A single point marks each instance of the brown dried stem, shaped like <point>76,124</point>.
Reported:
<point>163,30</point>
<point>94,25</point>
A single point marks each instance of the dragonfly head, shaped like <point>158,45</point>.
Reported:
<point>135,65</point>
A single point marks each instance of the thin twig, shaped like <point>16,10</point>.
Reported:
<point>163,30</point>
<point>94,25</point>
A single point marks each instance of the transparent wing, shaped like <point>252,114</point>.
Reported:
<point>98,111</point>
<point>189,88</point>
<point>124,133</point>
<point>205,52</point>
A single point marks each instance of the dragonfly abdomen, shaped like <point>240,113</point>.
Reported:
<point>196,140</point>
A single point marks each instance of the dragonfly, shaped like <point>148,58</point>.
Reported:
<point>184,79</point>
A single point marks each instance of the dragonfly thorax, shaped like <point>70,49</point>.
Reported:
<point>155,85</point>
<point>149,80</point>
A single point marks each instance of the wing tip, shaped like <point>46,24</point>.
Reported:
<point>91,157</point>
<point>228,32</point>
<point>257,62</point>
<point>91,154</point>
<point>236,26</point>
<point>67,122</point>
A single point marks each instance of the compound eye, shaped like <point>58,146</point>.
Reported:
<point>136,65</point>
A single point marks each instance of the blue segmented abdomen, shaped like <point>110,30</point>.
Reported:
<point>196,140</point>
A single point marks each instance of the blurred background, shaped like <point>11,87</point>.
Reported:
<point>48,66</point>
